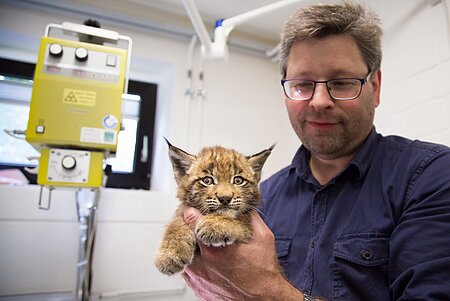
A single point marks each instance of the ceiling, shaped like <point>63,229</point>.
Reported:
<point>270,25</point>
<point>260,33</point>
<point>265,26</point>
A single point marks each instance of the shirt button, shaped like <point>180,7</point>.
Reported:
<point>367,254</point>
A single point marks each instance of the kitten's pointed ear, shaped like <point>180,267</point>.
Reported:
<point>181,161</point>
<point>257,161</point>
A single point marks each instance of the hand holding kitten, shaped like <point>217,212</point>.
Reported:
<point>239,271</point>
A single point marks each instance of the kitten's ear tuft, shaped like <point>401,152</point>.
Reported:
<point>167,141</point>
<point>257,161</point>
<point>181,161</point>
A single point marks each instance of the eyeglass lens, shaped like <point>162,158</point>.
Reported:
<point>338,88</point>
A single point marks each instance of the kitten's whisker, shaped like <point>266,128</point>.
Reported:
<point>265,217</point>
<point>203,209</point>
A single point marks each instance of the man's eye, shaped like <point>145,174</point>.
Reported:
<point>207,181</point>
<point>239,181</point>
<point>340,84</point>
<point>305,85</point>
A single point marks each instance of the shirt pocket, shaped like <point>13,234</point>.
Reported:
<point>360,269</point>
<point>283,245</point>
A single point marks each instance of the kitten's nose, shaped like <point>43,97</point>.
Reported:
<point>225,200</point>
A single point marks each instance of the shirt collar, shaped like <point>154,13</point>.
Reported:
<point>360,162</point>
<point>300,162</point>
<point>364,157</point>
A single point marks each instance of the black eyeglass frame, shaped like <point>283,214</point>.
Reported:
<point>315,82</point>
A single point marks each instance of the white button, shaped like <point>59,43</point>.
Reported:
<point>81,54</point>
<point>55,50</point>
<point>68,162</point>
<point>40,129</point>
<point>111,60</point>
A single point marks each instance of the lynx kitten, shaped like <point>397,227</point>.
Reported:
<point>223,185</point>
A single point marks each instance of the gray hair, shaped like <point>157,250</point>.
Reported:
<point>328,19</point>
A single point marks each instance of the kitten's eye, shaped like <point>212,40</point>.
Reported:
<point>239,181</point>
<point>207,181</point>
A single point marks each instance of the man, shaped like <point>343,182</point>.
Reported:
<point>356,216</point>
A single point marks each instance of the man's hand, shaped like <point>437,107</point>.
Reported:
<point>239,271</point>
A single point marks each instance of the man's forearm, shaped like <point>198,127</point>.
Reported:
<point>281,290</point>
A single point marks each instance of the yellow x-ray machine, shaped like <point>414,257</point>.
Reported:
<point>75,118</point>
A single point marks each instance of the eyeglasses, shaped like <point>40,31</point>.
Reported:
<point>338,89</point>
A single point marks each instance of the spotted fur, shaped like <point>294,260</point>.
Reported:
<point>223,185</point>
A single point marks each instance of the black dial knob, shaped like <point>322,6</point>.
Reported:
<point>81,54</point>
<point>55,50</point>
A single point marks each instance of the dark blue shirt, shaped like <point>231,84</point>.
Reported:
<point>380,230</point>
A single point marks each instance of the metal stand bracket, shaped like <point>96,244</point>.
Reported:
<point>87,203</point>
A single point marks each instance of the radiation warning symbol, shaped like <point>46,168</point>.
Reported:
<point>70,98</point>
<point>79,97</point>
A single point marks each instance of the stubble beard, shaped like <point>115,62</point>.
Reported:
<point>344,140</point>
<point>327,146</point>
<point>349,132</point>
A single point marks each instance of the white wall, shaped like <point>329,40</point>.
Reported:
<point>416,92</point>
<point>243,109</point>
<point>39,249</point>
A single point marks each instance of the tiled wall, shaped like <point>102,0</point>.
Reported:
<point>416,76</point>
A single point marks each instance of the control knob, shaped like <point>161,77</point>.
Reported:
<point>68,162</point>
<point>81,54</point>
<point>55,50</point>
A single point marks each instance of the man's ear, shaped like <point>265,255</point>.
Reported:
<point>376,84</point>
<point>257,161</point>
<point>181,161</point>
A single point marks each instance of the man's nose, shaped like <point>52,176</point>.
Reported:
<point>321,99</point>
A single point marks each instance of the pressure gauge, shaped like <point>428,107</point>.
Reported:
<point>55,50</point>
<point>81,54</point>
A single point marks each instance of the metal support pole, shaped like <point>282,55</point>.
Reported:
<point>87,202</point>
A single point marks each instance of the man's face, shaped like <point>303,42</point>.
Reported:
<point>330,128</point>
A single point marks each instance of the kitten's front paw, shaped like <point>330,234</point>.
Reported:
<point>170,261</point>
<point>220,234</point>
